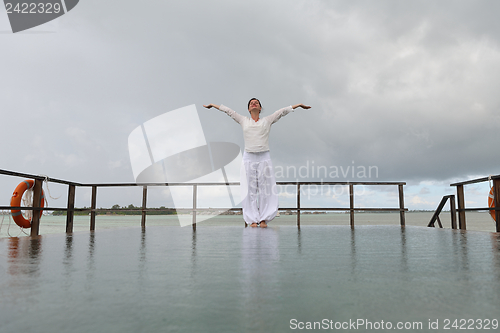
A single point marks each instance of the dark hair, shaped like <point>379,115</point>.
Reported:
<point>252,99</point>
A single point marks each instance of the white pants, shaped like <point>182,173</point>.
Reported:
<point>258,188</point>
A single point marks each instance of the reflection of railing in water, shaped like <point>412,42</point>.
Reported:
<point>461,203</point>
<point>70,209</point>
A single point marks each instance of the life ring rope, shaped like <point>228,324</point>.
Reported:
<point>46,183</point>
<point>21,230</point>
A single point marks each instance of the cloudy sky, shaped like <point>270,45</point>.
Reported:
<point>408,87</point>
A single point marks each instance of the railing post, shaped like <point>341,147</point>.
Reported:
<point>496,194</point>
<point>461,207</point>
<point>453,211</point>
<point>37,200</point>
<point>401,206</point>
<point>351,204</point>
<point>92,208</point>
<point>439,222</point>
<point>298,204</point>
<point>435,216</point>
<point>195,189</point>
<point>144,200</point>
<point>70,209</point>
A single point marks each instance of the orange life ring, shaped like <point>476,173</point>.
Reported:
<point>491,203</point>
<point>15,201</point>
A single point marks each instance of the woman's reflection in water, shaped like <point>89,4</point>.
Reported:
<point>259,267</point>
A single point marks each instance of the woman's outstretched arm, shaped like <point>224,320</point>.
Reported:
<point>212,106</point>
<point>300,106</point>
<point>237,117</point>
<point>283,112</point>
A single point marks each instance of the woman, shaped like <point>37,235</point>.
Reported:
<point>259,193</point>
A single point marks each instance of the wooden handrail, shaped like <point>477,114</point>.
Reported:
<point>70,209</point>
<point>435,216</point>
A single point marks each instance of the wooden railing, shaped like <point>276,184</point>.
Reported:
<point>461,200</point>
<point>435,216</point>
<point>70,208</point>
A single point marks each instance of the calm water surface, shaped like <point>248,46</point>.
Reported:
<point>235,279</point>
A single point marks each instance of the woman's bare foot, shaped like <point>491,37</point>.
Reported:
<point>263,224</point>
<point>254,225</point>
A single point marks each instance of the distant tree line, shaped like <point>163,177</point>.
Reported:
<point>125,210</point>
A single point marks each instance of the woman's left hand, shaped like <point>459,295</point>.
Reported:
<point>301,106</point>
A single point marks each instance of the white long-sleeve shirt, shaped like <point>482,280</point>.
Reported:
<point>256,133</point>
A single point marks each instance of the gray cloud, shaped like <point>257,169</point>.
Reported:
<point>409,87</point>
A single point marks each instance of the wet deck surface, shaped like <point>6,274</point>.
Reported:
<point>231,279</point>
